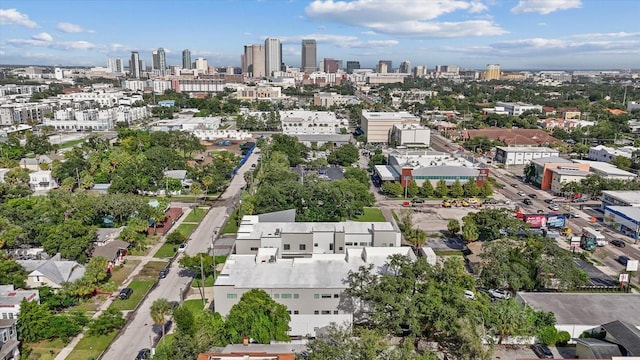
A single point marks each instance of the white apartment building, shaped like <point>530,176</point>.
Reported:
<point>606,154</point>
<point>385,78</point>
<point>411,135</point>
<point>42,181</point>
<point>11,298</point>
<point>522,155</point>
<point>330,99</point>
<point>377,126</point>
<point>301,239</point>
<point>160,86</point>
<point>311,122</point>
<point>259,92</point>
<point>311,288</point>
<point>103,98</point>
<point>517,108</point>
<point>199,85</point>
<point>22,113</point>
<point>95,119</point>
<point>135,85</point>
<point>13,89</point>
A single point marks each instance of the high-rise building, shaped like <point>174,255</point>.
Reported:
<point>134,65</point>
<point>186,59</point>
<point>202,65</point>
<point>272,55</point>
<point>405,67</point>
<point>420,71</point>
<point>159,61</point>
<point>492,72</point>
<point>384,66</point>
<point>142,65</point>
<point>330,65</point>
<point>253,61</point>
<point>352,65</point>
<point>308,63</point>
<point>114,65</point>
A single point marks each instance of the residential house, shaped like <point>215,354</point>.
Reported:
<point>9,344</point>
<point>11,298</point>
<point>37,163</point>
<point>53,272</point>
<point>248,351</point>
<point>621,339</point>
<point>42,180</point>
<point>109,247</point>
<point>607,154</point>
<point>179,175</point>
<point>569,113</point>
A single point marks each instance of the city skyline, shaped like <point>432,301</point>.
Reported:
<point>533,34</point>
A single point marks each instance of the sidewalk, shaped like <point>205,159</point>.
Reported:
<point>66,351</point>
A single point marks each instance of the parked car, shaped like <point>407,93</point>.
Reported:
<point>623,260</point>
<point>579,200</point>
<point>490,201</point>
<point>554,207</point>
<point>125,293</point>
<point>527,202</point>
<point>549,201</point>
<point>533,196</point>
<point>618,243</point>
<point>574,215</point>
<point>163,273</point>
<point>540,211</point>
<point>542,351</point>
<point>182,247</point>
<point>469,295</point>
<point>417,201</point>
<point>144,354</point>
<point>499,294</point>
<point>514,185</point>
<point>521,193</point>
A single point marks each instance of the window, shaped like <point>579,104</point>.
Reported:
<point>340,248</point>
<point>289,312</point>
<point>326,296</point>
<point>286,296</point>
<point>336,296</point>
<point>295,296</point>
<point>326,312</point>
<point>316,296</point>
<point>232,296</point>
<point>254,249</point>
<point>302,247</point>
<point>335,312</point>
<point>316,312</point>
<point>330,247</point>
<point>296,312</point>
<point>287,246</point>
<point>315,245</point>
<point>4,336</point>
<point>276,296</point>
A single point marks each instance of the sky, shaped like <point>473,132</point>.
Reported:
<point>517,34</point>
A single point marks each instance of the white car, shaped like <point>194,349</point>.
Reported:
<point>182,247</point>
<point>469,295</point>
<point>554,207</point>
<point>499,294</point>
<point>521,193</point>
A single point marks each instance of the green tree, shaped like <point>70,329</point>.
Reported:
<point>358,174</point>
<point>441,189</point>
<point>426,190</point>
<point>456,189</point>
<point>453,226</point>
<point>33,321</point>
<point>345,155</point>
<point>412,189</point>
<point>622,162</point>
<point>160,309</point>
<point>176,238</point>
<point>486,189</point>
<point>392,188</point>
<point>185,320</point>
<point>12,273</point>
<point>256,315</point>
<point>470,232</point>
<point>508,317</point>
<point>110,320</point>
<point>471,189</point>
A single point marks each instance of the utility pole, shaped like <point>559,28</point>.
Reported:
<point>202,282</point>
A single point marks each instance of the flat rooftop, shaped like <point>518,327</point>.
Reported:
<point>551,160</point>
<point>275,229</point>
<point>398,115</point>
<point>631,212</point>
<point>587,309</point>
<point>526,149</point>
<point>604,167</point>
<point>570,172</point>
<point>628,196</point>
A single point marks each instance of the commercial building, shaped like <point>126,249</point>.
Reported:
<point>620,198</point>
<point>492,72</point>
<point>253,64</point>
<point>606,154</point>
<point>311,122</point>
<point>352,65</point>
<point>330,65</point>
<point>312,289</point>
<point>186,59</point>
<point>309,57</point>
<point>542,175</point>
<point>134,65</point>
<point>326,99</point>
<point>411,135</point>
<point>420,71</point>
<point>517,108</point>
<point>202,65</point>
<point>522,155</point>
<point>562,175</point>
<point>10,299</point>
<point>159,61</point>
<point>302,239</point>
<point>377,126</point>
<point>405,67</point>
<point>433,166</point>
<point>607,170</point>
<point>273,55</point>
<point>625,219</point>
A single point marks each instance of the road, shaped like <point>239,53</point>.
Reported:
<point>141,331</point>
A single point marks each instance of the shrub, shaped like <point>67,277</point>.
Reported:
<point>548,335</point>
<point>563,338</point>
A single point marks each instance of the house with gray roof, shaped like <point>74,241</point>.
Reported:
<point>9,340</point>
<point>53,272</point>
<point>11,298</point>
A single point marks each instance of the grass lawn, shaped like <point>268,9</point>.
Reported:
<point>230,227</point>
<point>91,346</point>
<point>207,282</point>
<point>371,214</point>
<point>71,143</point>
<point>140,288</point>
<point>195,306</point>
<point>165,342</point>
<point>165,251</point>
<point>186,229</point>
<point>46,350</point>
<point>120,273</point>
<point>196,215</point>
<point>151,270</point>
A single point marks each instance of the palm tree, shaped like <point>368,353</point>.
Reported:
<point>160,309</point>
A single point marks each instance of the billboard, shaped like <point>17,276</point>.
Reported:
<point>556,221</point>
<point>536,220</point>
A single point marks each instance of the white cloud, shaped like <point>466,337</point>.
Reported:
<point>69,27</point>
<point>341,41</point>
<point>13,16</point>
<point>606,35</point>
<point>545,7</point>
<point>43,36</point>
<point>410,17</point>
<point>2,52</point>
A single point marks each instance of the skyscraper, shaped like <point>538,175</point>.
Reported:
<point>492,72</point>
<point>352,65</point>
<point>159,61</point>
<point>114,65</point>
<point>134,65</point>
<point>272,55</point>
<point>384,66</point>
<point>186,59</point>
<point>202,65</point>
<point>420,71</point>
<point>253,61</point>
<point>308,63</point>
<point>330,65</point>
<point>405,67</point>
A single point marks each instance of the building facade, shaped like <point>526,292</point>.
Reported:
<point>186,59</point>
<point>309,56</point>
<point>492,72</point>
<point>377,126</point>
<point>522,155</point>
<point>273,55</point>
<point>134,65</point>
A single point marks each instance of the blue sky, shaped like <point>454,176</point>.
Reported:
<point>518,34</point>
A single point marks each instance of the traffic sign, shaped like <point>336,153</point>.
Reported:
<point>624,278</point>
